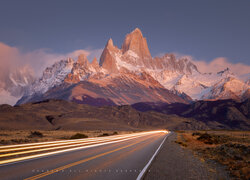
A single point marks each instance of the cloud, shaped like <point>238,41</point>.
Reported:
<point>38,60</point>
<point>7,55</point>
<point>221,63</point>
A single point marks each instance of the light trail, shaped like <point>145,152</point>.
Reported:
<point>49,143</point>
<point>99,142</point>
<point>61,146</point>
<point>55,143</point>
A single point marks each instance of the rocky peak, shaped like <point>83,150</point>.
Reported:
<point>110,46</point>
<point>186,66</point>
<point>95,64</point>
<point>81,70</point>
<point>171,63</point>
<point>110,43</point>
<point>70,61</point>
<point>107,60</point>
<point>136,43</point>
<point>82,60</point>
<point>225,72</point>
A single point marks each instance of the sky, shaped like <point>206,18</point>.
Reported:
<point>204,29</point>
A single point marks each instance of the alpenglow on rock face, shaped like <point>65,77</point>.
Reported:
<point>107,60</point>
<point>137,43</point>
<point>129,75</point>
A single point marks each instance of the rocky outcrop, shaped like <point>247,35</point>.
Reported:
<point>95,64</point>
<point>137,43</point>
<point>107,60</point>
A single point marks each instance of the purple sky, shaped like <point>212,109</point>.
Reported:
<point>204,29</point>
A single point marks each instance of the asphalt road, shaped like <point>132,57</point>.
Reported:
<point>120,158</point>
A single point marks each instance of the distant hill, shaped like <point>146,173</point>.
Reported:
<point>220,114</point>
<point>60,114</point>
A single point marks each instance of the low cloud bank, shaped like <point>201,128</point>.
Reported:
<point>218,64</point>
<point>221,63</point>
<point>38,60</point>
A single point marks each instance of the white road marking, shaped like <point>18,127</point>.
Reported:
<point>140,176</point>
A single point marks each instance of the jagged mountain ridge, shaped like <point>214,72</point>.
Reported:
<point>180,75</point>
<point>132,69</point>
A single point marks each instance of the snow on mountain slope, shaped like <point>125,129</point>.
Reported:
<point>223,85</point>
<point>184,77</point>
<point>227,88</point>
<point>82,69</point>
<point>133,64</point>
<point>51,77</point>
<point>177,74</point>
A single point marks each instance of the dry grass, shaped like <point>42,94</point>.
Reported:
<point>25,136</point>
<point>229,148</point>
<point>180,140</point>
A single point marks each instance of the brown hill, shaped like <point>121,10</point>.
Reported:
<point>59,114</point>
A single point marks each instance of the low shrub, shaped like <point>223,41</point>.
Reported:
<point>2,141</point>
<point>19,141</point>
<point>212,139</point>
<point>103,135</point>
<point>78,136</point>
<point>35,134</point>
<point>196,134</point>
<point>181,143</point>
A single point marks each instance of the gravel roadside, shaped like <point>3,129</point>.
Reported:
<point>176,162</point>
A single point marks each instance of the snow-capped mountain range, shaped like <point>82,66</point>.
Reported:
<point>130,74</point>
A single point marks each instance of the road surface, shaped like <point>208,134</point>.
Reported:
<point>114,157</point>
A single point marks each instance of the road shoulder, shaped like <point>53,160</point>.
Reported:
<point>176,162</point>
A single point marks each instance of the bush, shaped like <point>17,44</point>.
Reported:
<point>79,136</point>
<point>20,140</point>
<point>2,141</point>
<point>181,143</point>
<point>196,134</point>
<point>115,133</point>
<point>103,135</point>
<point>35,134</point>
<point>204,136</point>
<point>212,139</point>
